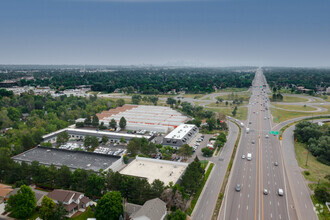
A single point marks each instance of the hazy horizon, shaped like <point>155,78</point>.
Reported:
<point>223,33</point>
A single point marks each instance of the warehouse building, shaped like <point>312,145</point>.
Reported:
<point>74,133</point>
<point>144,117</point>
<point>183,134</point>
<point>72,159</point>
<point>152,169</point>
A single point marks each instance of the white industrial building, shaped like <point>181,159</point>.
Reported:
<point>144,117</point>
<point>82,133</point>
<point>183,134</point>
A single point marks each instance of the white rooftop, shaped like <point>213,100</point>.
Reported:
<point>152,169</point>
<point>180,131</point>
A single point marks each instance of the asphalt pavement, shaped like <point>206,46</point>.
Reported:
<point>260,173</point>
<point>208,198</point>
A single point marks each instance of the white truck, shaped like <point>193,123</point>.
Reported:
<point>247,130</point>
<point>249,156</point>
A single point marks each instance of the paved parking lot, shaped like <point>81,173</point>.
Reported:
<point>203,144</point>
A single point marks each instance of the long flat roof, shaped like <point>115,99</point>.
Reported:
<point>71,159</point>
<point>93,132</point>
<point>180,131</point>
<point>152,169</point>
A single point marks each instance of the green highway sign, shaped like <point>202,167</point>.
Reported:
<point>260,87</point>
<point>274,132</point>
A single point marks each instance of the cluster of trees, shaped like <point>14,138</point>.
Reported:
<point>277,97</point>
<point>220,141</point>
<point>292,77</point>
<point>143,80</point>
<point>136,99</point>
<point>317,139</point>
<point>193,177</point>
<point>23,204</point>
<point>32,116</point>
<point>94,122</point>
<point>141,146</point>
<point>93,184</point>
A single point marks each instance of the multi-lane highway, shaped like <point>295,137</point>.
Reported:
<point>260,173</point>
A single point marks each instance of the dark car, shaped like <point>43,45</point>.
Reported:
<point>276,164</point>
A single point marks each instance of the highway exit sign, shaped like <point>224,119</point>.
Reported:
<point>274,132</point>
<point>260,87</point>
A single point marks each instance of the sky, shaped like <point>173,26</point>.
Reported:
<point>166,32</point>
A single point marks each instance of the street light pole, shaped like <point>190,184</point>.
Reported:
<point>307,155</point>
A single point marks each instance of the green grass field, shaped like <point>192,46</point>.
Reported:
<point>295,107</point>
<point>232,89</point>
<point>283,115</point>
<point>317,171</point>
<point>241,112</point>
<point>292,99</point>
<point>245,97</point>
<point>83,216</point>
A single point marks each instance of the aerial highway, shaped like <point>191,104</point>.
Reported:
<point>262,178</point>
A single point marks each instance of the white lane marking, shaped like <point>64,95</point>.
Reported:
<point>248,195</point>
<point>278,203</point>
<point>305,206</point>
<point>271,215</point>
<point>249,185</point>
<point>275,183</point>
<point>270,202</point>
<point>247,207</point>
<point>249,177</point>
<point>280,216</point>
<point>239,205</point>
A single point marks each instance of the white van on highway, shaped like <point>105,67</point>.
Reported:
<point>249,156</point>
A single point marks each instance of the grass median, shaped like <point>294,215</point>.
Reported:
<point>280,115</point>
<point>199,191</point>
<point>295,107</point>
<point>241,112</point>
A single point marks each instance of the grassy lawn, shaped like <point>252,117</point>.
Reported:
<point>283,115</point>
<point>241,112</point>
<point>232,89</point>
<point>324,106</point>
<point>295,107</point>
<point>292,99</point>
<point>206,98</point>
<point>194,96</point>
<point>204,163</point>
<point>83,216</point>
<point>317,171</point>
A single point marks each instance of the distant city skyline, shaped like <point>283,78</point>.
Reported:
<point>158,32</point>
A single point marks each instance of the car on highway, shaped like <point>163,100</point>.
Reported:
<point>267,136</point>
<point>280,192</point>
<point>243,156</point>
<point>253,142</point>
<point>275,164</point>
<point>266,191</point>
<point>238,188</point>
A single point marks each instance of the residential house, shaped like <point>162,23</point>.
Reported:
<point>4,190</point>
<point>38,194</point>
<point>154,209</point>
<point>72,201</point>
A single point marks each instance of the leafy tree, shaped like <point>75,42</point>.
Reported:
<point>105,139</point>
<point>64,177</point>
<point>22,204</point>
<point>322,194</point>
<point>88,121</point>
<point>95,185</point>
<point>95,121</point>
<point>94,142</point>
<point>80,180</point>
<point>113,123</point>
<point>193,176</point>
<point>170,101</point>
<point>5,121</point>
<point>177,215</point>
<point>207,152</point>
<point>47,208</point>
<point>136,99</point>
<point>62,138</point>
<point>133,147</point>
<point>185,151</point>
<point>211,123</point>
<point>122,140</point>
<point>14,114</point>
<point>109,207</point>
<point>120,102</point>
<point>60,212</point>
<point>122,123</point>
<point>87,141</point>
<point>153,99</point>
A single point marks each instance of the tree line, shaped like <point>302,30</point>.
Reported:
<point>145,81</point>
